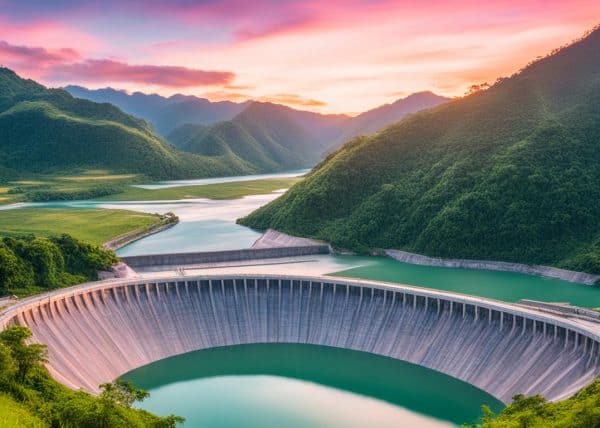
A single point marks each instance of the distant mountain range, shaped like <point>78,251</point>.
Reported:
<point>165,114</point>
<point>275,136</point>
<point>510,173</point>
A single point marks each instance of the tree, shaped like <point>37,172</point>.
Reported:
<point>122,392</point>
<point>47,261</point>
<point>8,367</point>
<point>13,271</point>
<point>25,356</point>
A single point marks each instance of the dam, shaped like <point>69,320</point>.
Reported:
<point>96,332</point>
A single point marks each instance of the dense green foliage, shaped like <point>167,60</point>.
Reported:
<point>580,411</point>
<point>27,387</point>
<point>45,130</point>
<point>48,263</point>
<point>72,195</point>
<point>510,173</point>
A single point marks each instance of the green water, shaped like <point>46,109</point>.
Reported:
<point>289,385</point>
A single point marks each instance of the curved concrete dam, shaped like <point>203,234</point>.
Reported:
<point>98,331</point>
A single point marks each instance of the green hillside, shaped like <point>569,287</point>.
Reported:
<point>511,173</point>
<point>579,411</point>
<point>16,415</point>
<point>265,137</point>
<point>47,130</point>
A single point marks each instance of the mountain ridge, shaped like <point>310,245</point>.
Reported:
<point>165,113</point>
<point>331,130</point>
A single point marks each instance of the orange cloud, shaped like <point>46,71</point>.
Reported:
<point>292,100</point>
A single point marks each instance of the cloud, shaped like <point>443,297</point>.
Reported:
<point>67,65</point>
<point>292,99</point>
<point>107,70</point>
<point>36,56</point>
<point>227,96</point>
<point>240,87</point>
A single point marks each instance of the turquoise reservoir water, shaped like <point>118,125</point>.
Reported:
<point>289,385</point>
<point>506,286</point>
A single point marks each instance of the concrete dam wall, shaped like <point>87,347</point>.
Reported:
<point>190,259</point>
<point>98,331</point>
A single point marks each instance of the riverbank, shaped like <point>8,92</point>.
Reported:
<point>167,221</point>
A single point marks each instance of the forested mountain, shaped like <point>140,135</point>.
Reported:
<point>47,130</point>
<point>510,173</point>
<point>269,136</point>
<point>165,114</point>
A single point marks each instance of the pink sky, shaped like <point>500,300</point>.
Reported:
<point>327,56</point>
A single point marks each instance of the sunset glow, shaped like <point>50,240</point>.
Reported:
<point>335,56</point>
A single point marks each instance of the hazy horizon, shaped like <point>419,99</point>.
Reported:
<point>330,58</point>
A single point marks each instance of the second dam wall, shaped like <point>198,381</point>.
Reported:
<point>187,259</point>
<point>99,331</point>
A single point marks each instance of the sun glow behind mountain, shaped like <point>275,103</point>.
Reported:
<point>335,56</point>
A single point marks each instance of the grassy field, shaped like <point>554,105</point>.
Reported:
<point>80,185</point>
<point>91,225</point>
<point>102,184</point>
<point>212,191</point>
<point>14,415</point>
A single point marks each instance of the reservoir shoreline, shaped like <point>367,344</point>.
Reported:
<point>537,270</point>
<point>167,221</point>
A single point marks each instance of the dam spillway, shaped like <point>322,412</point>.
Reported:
<point>98,331</point>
